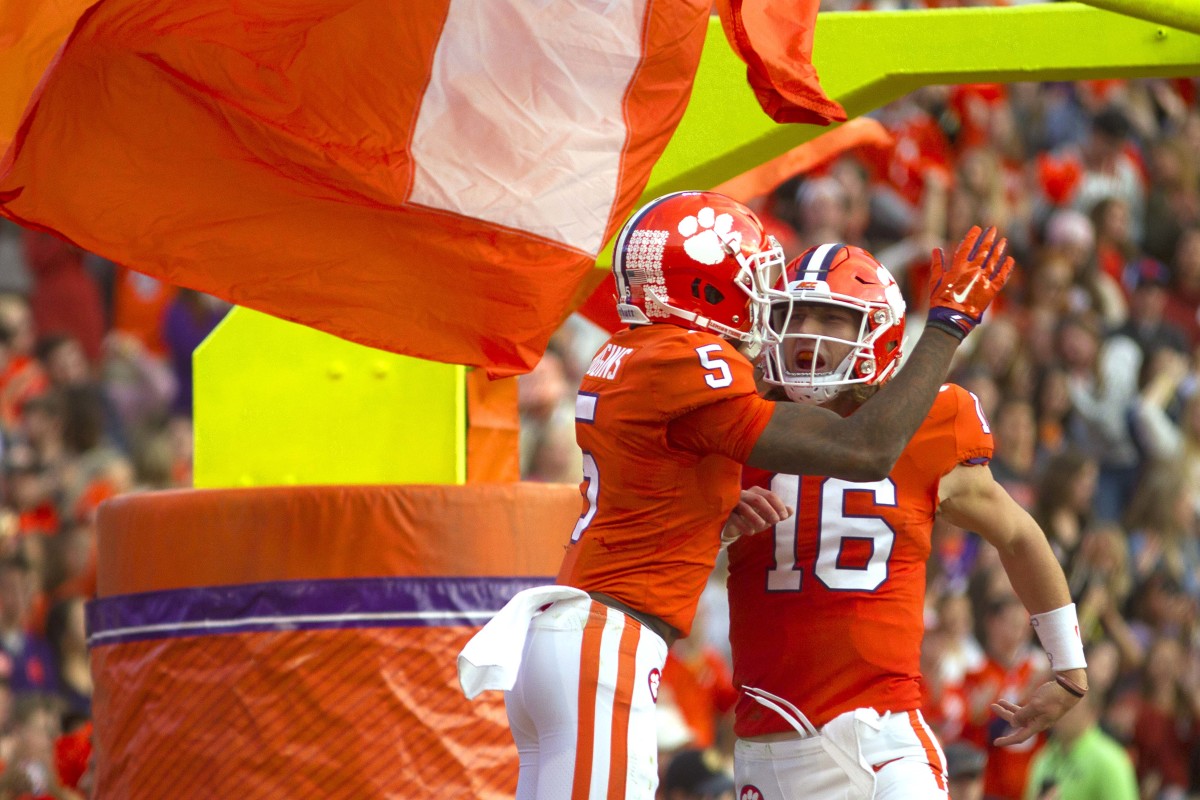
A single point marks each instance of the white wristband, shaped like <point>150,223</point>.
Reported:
<point>1058,631</point>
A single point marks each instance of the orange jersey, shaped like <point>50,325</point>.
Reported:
<point>826,611</point>
<point>1007,767</point>
<point>665,418</point>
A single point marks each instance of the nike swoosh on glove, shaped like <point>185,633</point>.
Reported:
<point>961,292</point>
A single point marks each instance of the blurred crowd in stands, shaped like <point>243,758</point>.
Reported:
<point>1089,371</point>
<point>95,401</point>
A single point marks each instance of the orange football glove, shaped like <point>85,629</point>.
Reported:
<point>959,293</point>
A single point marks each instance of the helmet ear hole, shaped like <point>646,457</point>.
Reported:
<point>702,290</point>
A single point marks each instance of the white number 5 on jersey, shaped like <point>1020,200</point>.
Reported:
<point>720,377</point>
<point>585,411</point>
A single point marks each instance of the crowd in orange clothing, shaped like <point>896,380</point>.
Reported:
<point>95,401</point>
<point>1089,371</point>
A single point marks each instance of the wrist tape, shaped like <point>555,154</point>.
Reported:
<point>955,323</point>
<point>1058,631</point>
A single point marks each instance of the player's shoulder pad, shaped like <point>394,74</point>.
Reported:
<point>954,402</point>
<point>950,401</point>
<point>961,410</point>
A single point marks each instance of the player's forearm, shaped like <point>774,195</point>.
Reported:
<point>1035,573</point>
<point>1039,582</point>
<point>802,439</point>
<point>975,501</point>
<point>887,421</point>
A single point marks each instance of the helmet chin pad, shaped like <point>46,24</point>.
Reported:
<point>813,395</point>
<point>819,387</point>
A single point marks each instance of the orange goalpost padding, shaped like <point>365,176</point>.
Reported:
<point>300,642</point>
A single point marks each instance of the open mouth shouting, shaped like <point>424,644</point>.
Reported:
<point>809,363</point>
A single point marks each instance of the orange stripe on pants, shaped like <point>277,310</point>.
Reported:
<point>931,751</point>
<point>622,702</point>
<point>589,677</point>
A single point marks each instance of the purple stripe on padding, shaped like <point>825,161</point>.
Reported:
<point>301,605</point>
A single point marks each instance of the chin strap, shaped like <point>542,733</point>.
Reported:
<point>695,319</point>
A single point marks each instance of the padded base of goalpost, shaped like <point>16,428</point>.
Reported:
<point>300,642</point>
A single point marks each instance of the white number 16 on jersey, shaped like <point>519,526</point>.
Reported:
<point>834,528</point>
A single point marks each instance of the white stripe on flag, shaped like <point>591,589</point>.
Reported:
<point>522,123</point>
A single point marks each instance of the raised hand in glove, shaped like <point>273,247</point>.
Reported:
<point>959,292</point>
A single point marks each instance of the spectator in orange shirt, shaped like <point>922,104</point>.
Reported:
<point>1011,670</point>
<point>702,686</point>
<point>21,375</point>
<point>139,304</point>
<point>32,489</point>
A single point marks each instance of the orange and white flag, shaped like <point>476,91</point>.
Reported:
<point>775,39</point>
<point>429,178</point>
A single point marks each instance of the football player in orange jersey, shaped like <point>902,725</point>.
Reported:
<point>666,415</point>
<point>826,606</point>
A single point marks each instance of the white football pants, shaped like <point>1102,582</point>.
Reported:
<point>859,755</point>
<point>582,709</point>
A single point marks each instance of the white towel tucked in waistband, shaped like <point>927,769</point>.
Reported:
<point>493,656</point>
<point>839,738</point>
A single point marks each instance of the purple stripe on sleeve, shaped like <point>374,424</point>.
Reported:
<point>301,605</point>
